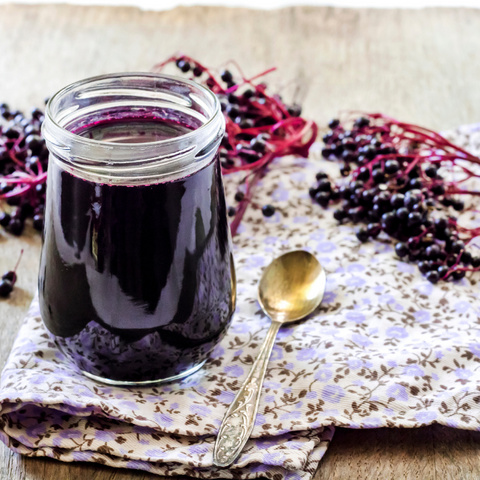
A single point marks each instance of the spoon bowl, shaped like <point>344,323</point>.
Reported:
<point>292,286</point>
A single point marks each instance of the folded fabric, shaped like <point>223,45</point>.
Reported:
<point>49,409</point>
<point>386,348</point>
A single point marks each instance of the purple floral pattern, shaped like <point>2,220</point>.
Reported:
<point>385,348</point>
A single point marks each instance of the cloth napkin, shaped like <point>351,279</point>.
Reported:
<point>386,349</point>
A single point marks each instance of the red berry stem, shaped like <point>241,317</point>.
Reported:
<point>258,127</point>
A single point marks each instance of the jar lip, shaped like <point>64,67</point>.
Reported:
<point>99,143</point>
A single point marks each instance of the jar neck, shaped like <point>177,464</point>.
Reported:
<point>127,97</point>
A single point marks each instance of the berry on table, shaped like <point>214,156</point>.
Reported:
<point>433,276</point>
<point>401,249</point>
<point>268,210</point>
<point>6,287</point>
<point>362,234</point>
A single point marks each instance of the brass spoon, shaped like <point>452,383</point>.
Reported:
<point>291,288</point>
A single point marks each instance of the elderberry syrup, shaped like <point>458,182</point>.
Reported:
<point>137,282</point>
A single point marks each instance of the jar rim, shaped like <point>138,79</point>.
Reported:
<point>125,162</point>
<point>109,76</point>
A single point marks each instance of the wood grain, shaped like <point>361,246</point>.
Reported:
<point>422,66</point>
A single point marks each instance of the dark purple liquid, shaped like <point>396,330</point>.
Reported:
<point>136,281</point>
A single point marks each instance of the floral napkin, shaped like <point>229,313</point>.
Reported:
<point>386,348</point>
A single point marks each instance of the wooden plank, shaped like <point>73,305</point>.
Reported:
<point>418,65</point>
<point>427,453</point>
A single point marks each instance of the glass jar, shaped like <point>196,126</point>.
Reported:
<point>136,282</point>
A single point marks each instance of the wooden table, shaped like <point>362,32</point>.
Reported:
<point>422,66</point>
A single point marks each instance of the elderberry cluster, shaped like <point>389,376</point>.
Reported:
<point>22,149</point>
<point>244,108</point>
<point>392,194</point>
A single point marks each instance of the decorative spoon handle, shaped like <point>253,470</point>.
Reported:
<point>239,420</point>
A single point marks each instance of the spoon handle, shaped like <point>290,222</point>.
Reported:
<point>239,420</point>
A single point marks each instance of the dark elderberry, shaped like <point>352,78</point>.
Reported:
<point>412,197</point>
<point>249,93</point>
<point>231,211</point>
<point>333,123</point>
<point>268,210</point>
<point>321,175</point>
<point>367,196</point>
<point>451,260</point>
<point>356,214</point>
<point>402,214</point>
<point>232,111</point>
<point>339,148</point>
<point>414,218</point>
<point>442,271</point>
<point>38,222</point>
<point>362,122</point>
<point>295,110</point>
<point>415,184</point>
<point>413,256</point>
<point>397,200</point>
<point>438,189</point>
<point>197,71</point>
<point>377,210</point>
<point>345,170</point>
<point>312,191</point>
<point>389,220</point>
<point>378,176</point>
<point>458,205</point>
<point>401,249</point>
<point>391,166</point>
<point>10,276</point>
<point>35,143</point>
<point>373,229</point>
<point>339,214</point>
<point>12,133</point>
<point>433,276</point>
<point>258,144</point>
<point>345,191</point>
<point>457,246</point>
<point>458,274</point>
<point>239,196</point>
<point>16,226</point>
<point>327,137</point>
<point>4,219</point>
<point>414,172</point>
<point>322,198</point>
<point>326,152</point>
<point>475,262</point>
<point>363,173</point>
<point>440,224</point>
<point>356,184</point>
<point>445,201</point>
<point>183,65</point>
<point>246,123</point>
<point>431,171</point>
<point>324,185</point>
<point>6,288</point>
<point>226,76</point>
<point>466,258</point>
<point>362,234</point>
<point>432,252</point>
<point>424,266</point>
<point>372,216</point>
<point>349,144</point>
<point>368,151</point>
